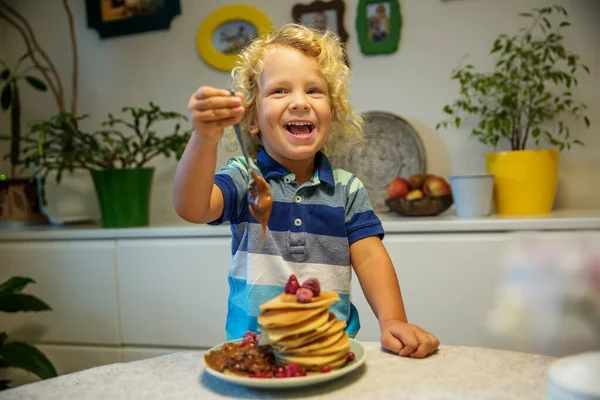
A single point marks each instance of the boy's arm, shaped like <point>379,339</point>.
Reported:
<point>195,196</point>
<point>379,283</point>
<point>378,279</point>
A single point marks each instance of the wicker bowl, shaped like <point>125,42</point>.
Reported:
<point>423,207</point>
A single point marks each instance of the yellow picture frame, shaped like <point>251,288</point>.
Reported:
<point>215,57</point>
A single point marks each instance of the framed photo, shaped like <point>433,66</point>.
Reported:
<point>378,23</point>
<point>322,15</point>
<point>125,17</point>
<point>227,31</point>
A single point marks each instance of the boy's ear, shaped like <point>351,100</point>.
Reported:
<point>254,129</point>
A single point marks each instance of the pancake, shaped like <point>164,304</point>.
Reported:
<point>285,300</point>
<point>320,343</point>
<point>276,334</point>
<point>316,362</point>
<point>295,341</point>
<point>286,316</point>
<point>306,334</point>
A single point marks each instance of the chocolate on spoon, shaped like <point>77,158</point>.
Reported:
<point>260,199</point>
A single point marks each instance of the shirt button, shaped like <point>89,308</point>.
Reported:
<point>297,222</point>
<point>287,179</point>
<point>298,199</point>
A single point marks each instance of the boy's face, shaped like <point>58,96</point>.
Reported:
<point>293,107</point>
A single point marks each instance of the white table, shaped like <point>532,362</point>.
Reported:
<point>451,373</point>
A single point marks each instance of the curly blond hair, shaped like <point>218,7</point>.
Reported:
<point>326,48</point>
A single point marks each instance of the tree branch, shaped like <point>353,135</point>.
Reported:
<point>53,87</point>
<point>75,58</point>
<point>33,46</point>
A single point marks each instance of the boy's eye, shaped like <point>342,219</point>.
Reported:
<point>277,91</point>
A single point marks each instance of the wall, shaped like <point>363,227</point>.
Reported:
<point>414,82</point>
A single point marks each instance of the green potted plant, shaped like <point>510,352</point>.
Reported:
<point>523,100</point>
<point>14,353</point>
<point>118,162</point>
<point>19,199</point>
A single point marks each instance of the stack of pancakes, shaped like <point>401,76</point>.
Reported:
<point>306,334</point>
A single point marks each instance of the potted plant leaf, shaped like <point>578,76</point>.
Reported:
<point>118,162</point>
<point>19,200</point>
<point>14,353</point>
<point>525,99</point>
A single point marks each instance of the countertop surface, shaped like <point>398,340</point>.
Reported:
<point>451,373</point>
<point>392,223</point>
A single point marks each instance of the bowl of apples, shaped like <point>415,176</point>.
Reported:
<point>420,195</point>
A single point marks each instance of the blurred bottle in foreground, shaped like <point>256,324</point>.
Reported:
<point>549,296</point>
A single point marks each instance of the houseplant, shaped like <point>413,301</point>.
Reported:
<point>117,162</point>
<point>14,353</point>
<point>19,197</point>
<point>526,98</point>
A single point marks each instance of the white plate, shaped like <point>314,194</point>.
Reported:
<point>281,383</point>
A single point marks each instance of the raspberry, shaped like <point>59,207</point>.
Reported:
<point>351,356</point>
<point>251,334</point>
<point>325,369</point>
<point>292,285</point>
<point>280,373</point>
<point>304,295</point>
<point>313,285</point>
<point>294,370</point>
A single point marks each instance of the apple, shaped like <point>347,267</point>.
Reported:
<point>436,186</point>
<point>398,187</point>
<point>414,194</point>
<point>416,181</point>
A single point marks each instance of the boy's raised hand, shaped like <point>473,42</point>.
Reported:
<point>407,340</point>
<point>212,109</point>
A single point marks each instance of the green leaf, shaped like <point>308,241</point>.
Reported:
<point>6,96</point>
<point>16,302</point>
<point>36,83</point>
<point>15,284</point>
<point>29,358</point>
<point>564,23</point>
<point>587,121</point>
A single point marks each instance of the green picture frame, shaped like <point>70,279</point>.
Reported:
<point>378,26</point>
<point>113,18</point>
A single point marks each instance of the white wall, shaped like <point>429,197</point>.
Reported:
<point>414,82</point>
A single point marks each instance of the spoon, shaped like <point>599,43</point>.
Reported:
<point>260,199</point>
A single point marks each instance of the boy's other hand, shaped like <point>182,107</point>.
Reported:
<point>212,109</point>
<point>407,340</point>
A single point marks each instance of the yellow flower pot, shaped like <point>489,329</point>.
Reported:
<point>525,180</point>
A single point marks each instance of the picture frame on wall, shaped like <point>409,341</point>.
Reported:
<point>378,26</point>
<point>322,15</point>
<point>228,30</point>
<point>112,18</point>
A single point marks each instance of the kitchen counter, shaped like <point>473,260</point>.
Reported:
<point>446,223</point>
<point>454,372</point>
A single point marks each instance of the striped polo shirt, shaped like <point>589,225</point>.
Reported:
<point>309,234</point>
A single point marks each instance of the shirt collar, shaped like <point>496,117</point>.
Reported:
<point>271,168</point>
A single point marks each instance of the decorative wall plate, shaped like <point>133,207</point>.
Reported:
<point>392,148</point>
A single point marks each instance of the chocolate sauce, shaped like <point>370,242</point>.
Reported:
<point>242,360</point>
<point>260,201</point>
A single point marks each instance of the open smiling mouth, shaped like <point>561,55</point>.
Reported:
<point>300,128</point>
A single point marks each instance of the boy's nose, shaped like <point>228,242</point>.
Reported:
<point>298,103</point>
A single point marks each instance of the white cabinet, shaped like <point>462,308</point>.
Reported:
<point>77,279</point>
<point>447,282</point>
<point>173,292</point>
